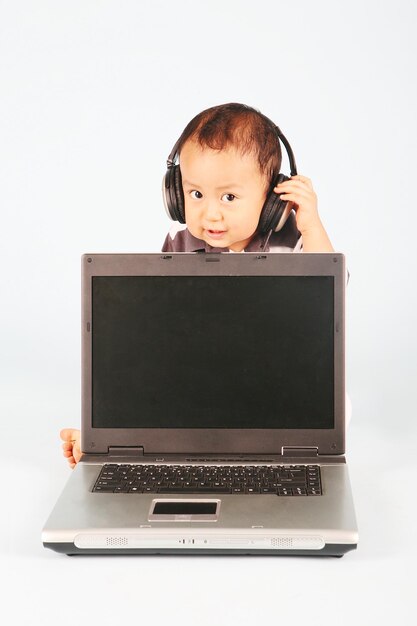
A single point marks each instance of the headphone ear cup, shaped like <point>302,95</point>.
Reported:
<point>179,195</point>
<point>273,208</point>
<point>173,194</point>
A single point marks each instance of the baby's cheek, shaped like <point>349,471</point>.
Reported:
<point>194,229</point>
<point>188,218</point>
<point>255,222</point>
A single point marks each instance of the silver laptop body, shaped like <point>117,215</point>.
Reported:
<point>229,365</point>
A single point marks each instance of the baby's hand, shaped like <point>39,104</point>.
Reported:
<point>299,190</point>
<point>71,445</point>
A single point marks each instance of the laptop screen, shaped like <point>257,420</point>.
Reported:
<point>254,352</point>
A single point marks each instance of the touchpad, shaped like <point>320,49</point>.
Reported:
<point>184,510</point>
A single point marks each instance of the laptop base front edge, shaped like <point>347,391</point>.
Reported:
<point>329,549</point>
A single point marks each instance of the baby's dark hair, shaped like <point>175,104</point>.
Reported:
<point>240,126</point>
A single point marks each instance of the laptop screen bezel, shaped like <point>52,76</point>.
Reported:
<point>198,441</point>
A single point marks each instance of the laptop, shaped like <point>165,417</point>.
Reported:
<point>213,408</point>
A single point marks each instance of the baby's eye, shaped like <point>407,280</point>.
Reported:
<point>228,197</point>
<point>197,195</point>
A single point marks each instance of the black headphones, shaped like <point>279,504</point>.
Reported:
<point>274,211</point>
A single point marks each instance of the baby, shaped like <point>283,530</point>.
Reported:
<point>221,192</point>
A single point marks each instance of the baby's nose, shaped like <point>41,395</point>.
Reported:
<point>213,211</point>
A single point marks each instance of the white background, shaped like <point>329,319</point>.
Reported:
<point>93,96</point>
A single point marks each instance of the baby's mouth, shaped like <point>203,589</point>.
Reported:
<point>215,233</point>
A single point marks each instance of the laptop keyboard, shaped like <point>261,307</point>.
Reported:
<point>281,480</point>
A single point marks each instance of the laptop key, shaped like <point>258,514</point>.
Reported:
<point>252,490</point>
<point>298,491</point>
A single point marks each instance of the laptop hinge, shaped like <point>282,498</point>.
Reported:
<point>126,451</point>
<point>299,451</point>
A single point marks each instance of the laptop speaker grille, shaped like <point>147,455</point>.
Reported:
<point>116,542</point>
<point>282,542</point>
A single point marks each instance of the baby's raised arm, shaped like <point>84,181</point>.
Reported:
<point>299,189</point>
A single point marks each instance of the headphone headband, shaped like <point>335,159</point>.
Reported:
<point>291,158</point>
<point>173,154</point>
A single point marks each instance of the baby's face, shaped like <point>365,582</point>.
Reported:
<point>224,193</point>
